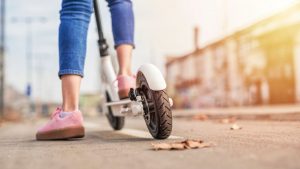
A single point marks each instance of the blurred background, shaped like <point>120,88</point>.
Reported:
<point>216,53</point>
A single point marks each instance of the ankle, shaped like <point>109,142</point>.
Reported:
<point>67,108</point>
<point>125,73</point>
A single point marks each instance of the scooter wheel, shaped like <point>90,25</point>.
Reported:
<point>157,109</point>
<point>117,123</point>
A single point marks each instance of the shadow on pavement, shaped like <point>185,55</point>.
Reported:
<point>113,136</point>
<point>91,137</point>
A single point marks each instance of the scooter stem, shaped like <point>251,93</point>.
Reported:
<point>102,44</point>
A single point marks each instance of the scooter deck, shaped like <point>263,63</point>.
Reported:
<point>117,103</point>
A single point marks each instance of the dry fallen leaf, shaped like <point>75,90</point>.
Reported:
<point>186,144</point>
<point>227,120</point>
<point>235,127</point>
<point>178,146</point>
<point>193,143</point>
<point>200,117</point>
<point>162,146</point>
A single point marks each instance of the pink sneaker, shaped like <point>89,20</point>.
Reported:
<point>63,125</point>
<point>124,85</point>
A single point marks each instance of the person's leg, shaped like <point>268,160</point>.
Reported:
<point>67,122</point>
<point>124,53</point>
<point>75,18</point>
<point>70,92</point>
<point>123,30</point>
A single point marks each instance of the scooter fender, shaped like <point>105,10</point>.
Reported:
<point>153,76</point>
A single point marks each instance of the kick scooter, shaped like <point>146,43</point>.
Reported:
<point>149,98</point>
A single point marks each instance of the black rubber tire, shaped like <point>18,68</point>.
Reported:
<point>159,126</point>
<point>117,123</point>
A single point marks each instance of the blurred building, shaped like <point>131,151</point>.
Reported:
<point>16,104</point>
<point>91,104</point>
<point>259,64</point>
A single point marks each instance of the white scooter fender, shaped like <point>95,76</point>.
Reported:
<point>153,76</point>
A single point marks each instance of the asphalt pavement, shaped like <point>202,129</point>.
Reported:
<point>259,144</point>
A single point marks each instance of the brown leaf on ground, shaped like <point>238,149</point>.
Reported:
<point>193,143</point>
<point>161,146</point>
<point>183,145</point>
<point>177,146</point>
<point>227,120</point>
<point>200,117</point>
<point>235,127</point>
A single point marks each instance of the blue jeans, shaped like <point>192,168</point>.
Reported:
<point>74,22</point>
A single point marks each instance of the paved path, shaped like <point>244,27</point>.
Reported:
<point>258,145</point>
<point>288,112</point>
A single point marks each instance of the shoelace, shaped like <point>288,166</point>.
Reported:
<point>57,111</point>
